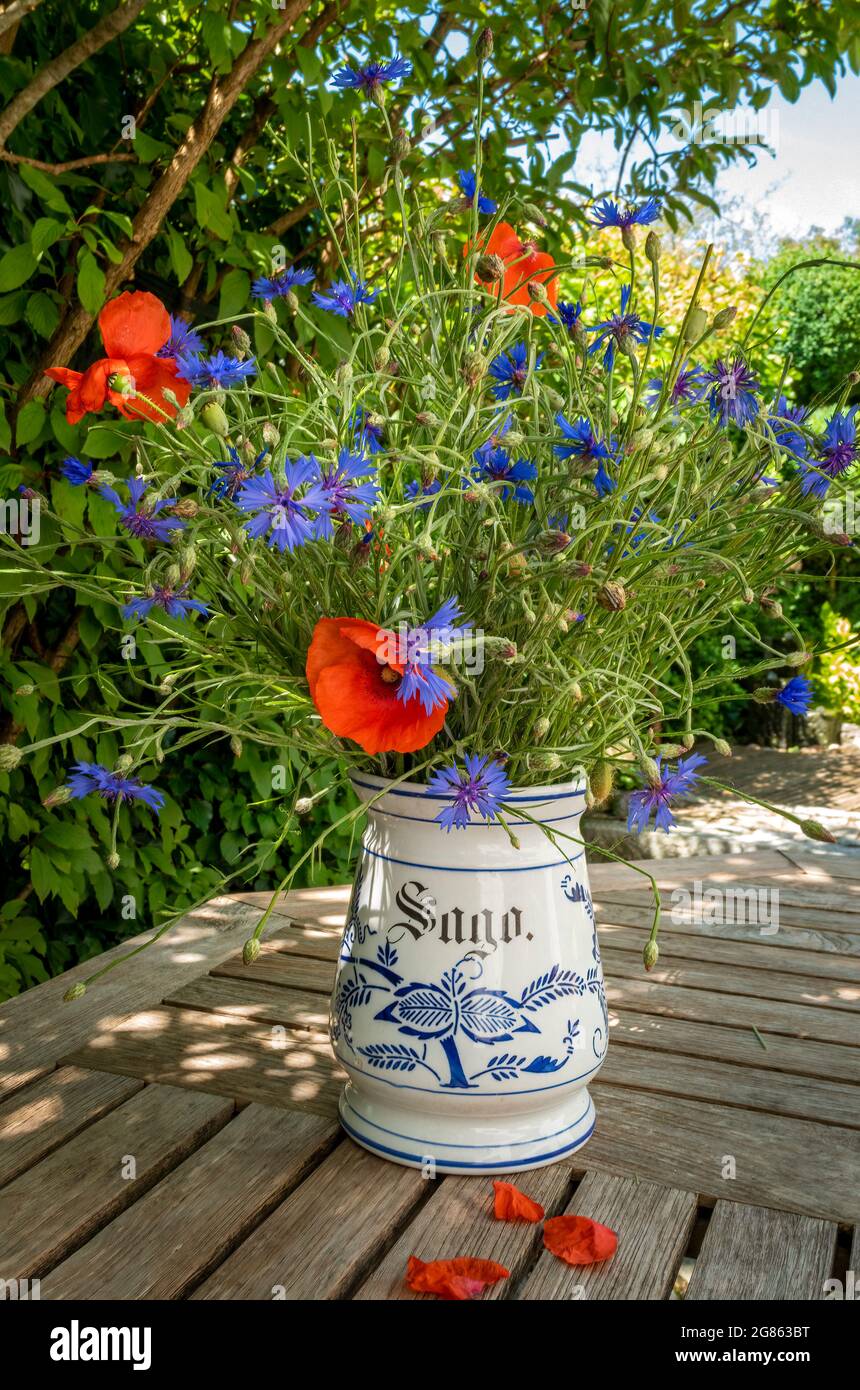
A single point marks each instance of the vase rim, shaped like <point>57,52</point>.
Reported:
<point>392,786</point>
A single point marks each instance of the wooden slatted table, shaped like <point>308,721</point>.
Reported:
<point>173,1134</point>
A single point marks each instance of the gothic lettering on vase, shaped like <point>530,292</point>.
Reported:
<point>483,930</point>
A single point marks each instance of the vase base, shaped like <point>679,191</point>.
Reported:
<point>446,1144</point>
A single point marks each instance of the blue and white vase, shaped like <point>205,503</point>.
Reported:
<point>469,1007</point>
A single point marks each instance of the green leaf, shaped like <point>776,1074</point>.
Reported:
<point>44,188</point>
<point>235,292</point>
<point>46,230</point>
<point>148,149</point>
<point>180,257</point>
<point>16,266</point>
<point>101,442</point>
<point>91,283</point>
<point>12,308</point>
<point>42,314</point>
<point>30,421</point>
<point>19,822</point>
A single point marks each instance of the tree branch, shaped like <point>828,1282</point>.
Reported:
<point>59,68</point>
<point>69,164</point>
<point>15,12</point>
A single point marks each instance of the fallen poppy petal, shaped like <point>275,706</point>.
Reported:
<point>453,1279</point>
<point>512,1205</point>
<point>579,1240</point>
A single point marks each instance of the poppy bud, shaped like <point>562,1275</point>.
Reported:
<point>58,797</point>
<point>612,596</point>
<point>10,757</point>
<point>489,268</point>
<point>241,341</point>
<point>250,951</point>
<point>74,992</point>
<point>235,745</point>
<point>724,749</point>
<point>187,560</point>
<point>400,146</point>
<point>815,831</point>
<point>650,955</point>
<point>653,247</point>
<point>697,322</point>
<point>112,861</point>
<point>304,805</point>
<point>724,317</point>
<point>688,741</point>
<point>537,292</point>
<point>541,728</point>
<point>484,45</point>
<point>215,420</point>
<point>601,780</point>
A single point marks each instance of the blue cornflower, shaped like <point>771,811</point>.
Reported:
<point>656,798</point>
<point>619,328</point>
<point>493,464</point>
<point>569,315</point>
<point>344,298</point>
<point>838,450</point>
<point>476,789</point>
<point>92,777</point>
<point>581,443</point>
<point>370,78</point>
<point>345,495</point>
<point>76,472</point>
<point>144,522</point>
<point>795,695</point>
<point>217,371</point>
<point>466,180</point>
<point>414,489</point>
<point>785,421</point>
<point>688,387</point>
<point>732,395</point>
<point>276,286</point>
<point>416,654</point>
<point>236,472</point>
<point>367,431</point>
<point>610,214</point>
<point>287,511</point>
<point>510,371</point>
<point>171,601</point>
<point>184,340</point>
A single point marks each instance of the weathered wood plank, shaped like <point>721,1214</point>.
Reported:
<point>53,1207</point>
<point>649,995</point>
<point>37,1028</point>
<point>799,1056</point>
<point>40,1118</point>
<point>796,1165</point>
<point>825,996</point>
<point>653,1226</point>
<point>754,1253</point>
<point>458,1220</point>
<point>831,955</point>
<point>829,907</point>
<point>217,1053</point>
<point>321,907</point>
<point>183,1228</point>
<point>673,873</point>
<point>753,1088</point>
<point>296,972</point>
<point>836,863</point>
<point>255,1002</point>
<point>318,1243</point>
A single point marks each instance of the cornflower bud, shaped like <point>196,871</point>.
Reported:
<point>400,146</point>
<point>574,690</point>
<point>541,728</point>
<point>184,418</point>
<point>271,434</point>
<point>58,797</point>
<point>270,311</point>
<point>513,439</point>
<point>534,214</point>
<point>235,745</point>
<point>601,781</point>
<point>250,951</point>
<point>241,341</point>
<point>628,238</point>
<point>581,570</point>
<point>186,507</point>
<point>291,300</point>
<point>697,322</point>
<point>537,292</point>
<point>551,542</point>
<point>508,652</point>
<point>517,566</point>
<point>612,596</point>
<point>653,247</point>
<point>798,658</point>
<point>484,45</point>
<point>74,992</point>
<point>543,762</point>
<point>167,684</point>
<point>771,606</point>
<point>215,420</point>
<point>853,378</point>
<point>112,861</point>
<point>553,399</point>
<point>724,317</point>
<point>304,805</point>
<point>187,560</point>
<point>650,955</point>
<point>474,368</point>
<point>724,749</point>
<point>10,757</point>
<point>651,770</point>
<point>815,831</point>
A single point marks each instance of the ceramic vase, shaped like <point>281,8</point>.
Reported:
<point>469,1009</point>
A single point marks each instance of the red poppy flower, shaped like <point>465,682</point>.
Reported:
<point>579,1240</point>
<point>133,327</point>
<point>523,262</point>
<point>510,1204</point>
<point>354,688</point>
<point>453,1279</point>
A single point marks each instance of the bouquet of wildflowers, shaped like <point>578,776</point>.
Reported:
<point>440,514</point>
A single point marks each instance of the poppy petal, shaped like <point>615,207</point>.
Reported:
<point>537,266</point>
<point>134,324</point>
<point>64,376</point>
<point>509,1204</point>
<point>579,1240</point>
<point>329,647</point>
<point>460,1279</point>
<point>356,703</point>
<point>151,375</point>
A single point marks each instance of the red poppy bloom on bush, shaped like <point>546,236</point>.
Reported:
<point>377,688</point>
<point>523,262</point>
<point>133,327</point>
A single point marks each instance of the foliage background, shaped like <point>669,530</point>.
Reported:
<point>192,207</point>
